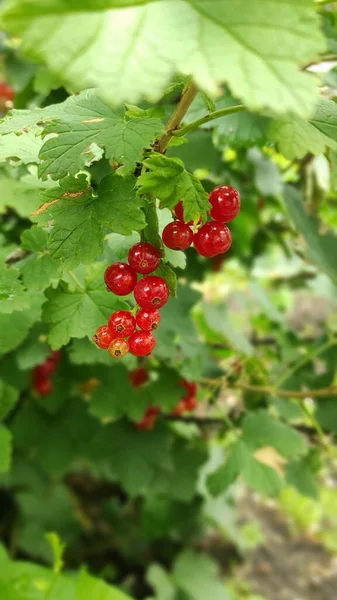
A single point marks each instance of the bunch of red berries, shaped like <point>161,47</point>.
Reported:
<point>151,292</point>
<point>42,374</point>
<point>213,237</point>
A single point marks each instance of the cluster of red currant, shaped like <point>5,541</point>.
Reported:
<point>187,403</point>
<point>42,374</point>
<point>151,292</point>
<point>213,237</point>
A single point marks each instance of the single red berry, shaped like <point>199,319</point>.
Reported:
<point>56,356</point>
<point>190,386</point>
<point>149,418</point>
<point>177,236</point>
<point>225,201</point>
<point>122,323</point>
<point>179,409</point>
<point>179,213</point>
<point>6,91</point>
<point>148,319</point>
<point>151,292</point>
<point>45,370</point>
<point>212,238</point>
<point>190,403</point>
<point>118,348</point>
<point>138,376</point>
<point>141,343</point>
<point>120,278</point>
<point>44,387</point>
<point>144,258</point>
<point>103,337</point>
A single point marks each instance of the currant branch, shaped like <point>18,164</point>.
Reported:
<point>270,390</point>
<point>185,101</point>
<point>223,112</point>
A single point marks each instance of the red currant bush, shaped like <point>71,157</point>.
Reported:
<point>118,348</point>
<point>177,236</point>
<point>151,292</point>
<point>44,387</point>
<point>120,278</point>
<point>212,238</point>
<point>121,324</point>
<point>149,418</point>
<point>103,337</point>
<point>144,258</point>
<point>141,343</point>
<point>148,319</point>
<point>225,201</point>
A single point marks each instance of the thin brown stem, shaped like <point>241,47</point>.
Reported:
<point>271,390</point>
<point>185,101</point>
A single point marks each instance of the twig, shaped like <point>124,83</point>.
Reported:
<point>223,112</point>
<point>185,101</point>
<point>271,390</point>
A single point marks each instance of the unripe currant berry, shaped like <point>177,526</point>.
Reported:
<point>120,278</point>
<point>103,337</point>
<point>212,238</point>
<point>148,319</point>
<point>44,387</point>
<point>141,343</point>
<point>121,324</point>
<point>225,201</point>
<point>177,236</point>
<point>151,292</point>
<point>144,258</point>
<point>118,348</point>
<point>138,376</point>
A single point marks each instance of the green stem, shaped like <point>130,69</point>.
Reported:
<point>222,112</point>
<point>315,424</point>
<point>78,283</point>
<point>304,360</point>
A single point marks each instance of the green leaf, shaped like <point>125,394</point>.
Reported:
<point>261,477</point>
<point>167,273</point>
<point>39,272</point>
<point>34,239</point>
<point>161,582</point>
<point>302,478</point>
<point>198,576</point>
<point>167,179</point>
<point>296,137</point>
<point>325,118</point>
<point>261,429</point>
<point>12,293</point>
<point>267,175</point>
<point>181,482</point>
<point>89,588</point>
<point>21,195</point>
<point>8,398</point>
<point>25,148</point>
<point>224,476</point>
<point>15,327</point>
<point>320,247</point>
<point>269,45</point>
<point>5,449</point>
<point>118,207</point>
<point>91,124</point>
<point>133,457</point>
<point>78,313</point>
<point>218,319</point>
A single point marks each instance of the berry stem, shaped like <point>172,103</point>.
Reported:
<point>186,99</point>
<point>222,112</point>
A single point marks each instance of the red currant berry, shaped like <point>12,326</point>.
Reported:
<point>177,236</point>
<point>45,370</point>
<point>103,337</point>
<point>179,213</point>
<point>6,91</point>
<point>122,323</point>
<point>138,376</point>
<point>149,418</point>
<point>180,408</point>
<point>118,348</point>
<point>44,387</point>
<point>190,403</point>
<point>144,258</point>
<point>225,201</point>
<point>148,319</point>
<point>56,356</point>
<point>141,343</point>
<point>151,292</point>
<point>120,278</point>
<point>212,238</point>
<point>190,386</point>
